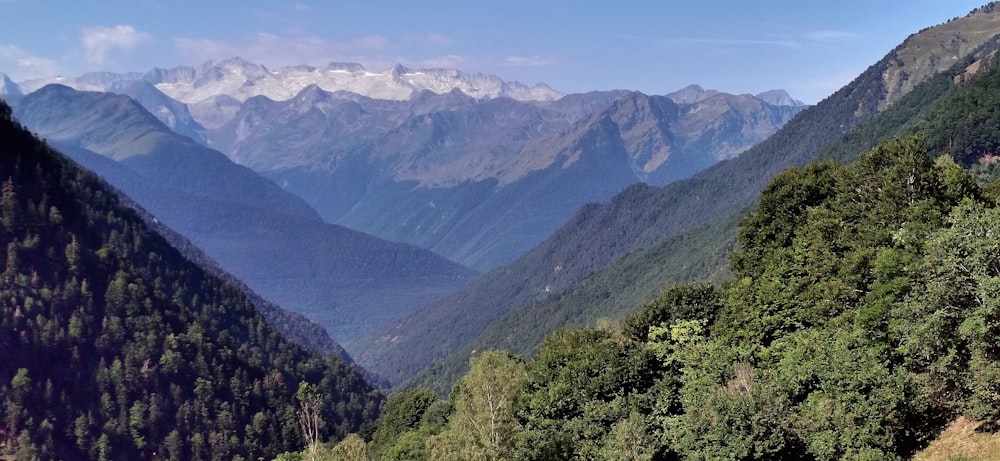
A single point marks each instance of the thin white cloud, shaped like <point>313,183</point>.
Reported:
<point>687,41</point>
<point>204,49</point>
<point>281,50</point>
<point>430,40</point>
<point>526,61</point>
<point>450,61</point>
<point>21,65</point>
<point>375,52</point>
<point>830,36</point>
<point>99,42</point>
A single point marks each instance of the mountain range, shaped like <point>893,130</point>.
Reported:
<point>239,79</point>
<point>479,181</point>
<point>658,222</point>
<point>476,176</point>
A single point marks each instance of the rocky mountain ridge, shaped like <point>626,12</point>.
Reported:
<point>437,170</point>
<point>240,80</point>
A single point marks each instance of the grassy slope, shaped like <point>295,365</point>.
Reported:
<point>961,442</point>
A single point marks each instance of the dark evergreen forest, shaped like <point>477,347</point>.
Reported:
<point>114,346</point>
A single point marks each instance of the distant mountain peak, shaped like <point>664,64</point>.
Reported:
<point>8,87</point>
<point>345,66</point>
<point>691,94</point>
<point>400,69</point>
<point>779,98</point>
<point>234,61</point>
<point>312,95</point>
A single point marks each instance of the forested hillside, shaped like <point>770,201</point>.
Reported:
<point>952,111</point>
<point>116,347</point>
<point>860,319</point>
<point>643,216</point>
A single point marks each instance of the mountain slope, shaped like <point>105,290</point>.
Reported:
<point>480,182</point>
<point>115,346</point>
<point>346,281</point>
<point>291,325</point>
<point>428,157</point>
<point>950,111</point>
<point>606,295</point>
<point>640,216</point>
<point>171,112</point>
<point>117,127</point>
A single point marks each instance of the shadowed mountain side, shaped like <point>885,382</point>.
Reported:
<point>118,127</point>
<point>291,325</point>
<point>347,281</point>
<point>171,112</point>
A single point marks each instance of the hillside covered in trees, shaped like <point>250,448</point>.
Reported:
<point>861,317</point>
<point>642,217</point>
<point>116,347</point>
<point>954,112</point>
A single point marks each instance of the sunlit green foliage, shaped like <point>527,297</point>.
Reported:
<point>861,318</point>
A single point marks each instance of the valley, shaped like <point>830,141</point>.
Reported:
<point>477,181</point>
<point>238,260</point>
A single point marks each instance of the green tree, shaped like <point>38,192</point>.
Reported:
<point>629,440</point>
<point>696,301</point>
<point>352,448</point>
<point>484,426</point>
<point>310,421</point>
<point>403,412</point>
<point>948,328</point>
<point>9,206</point>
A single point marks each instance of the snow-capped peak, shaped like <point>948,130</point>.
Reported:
<point>242,79</point>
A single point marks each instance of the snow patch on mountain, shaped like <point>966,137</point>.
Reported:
<point>240,79</point>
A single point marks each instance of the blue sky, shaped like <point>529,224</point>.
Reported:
<point>810,48</point>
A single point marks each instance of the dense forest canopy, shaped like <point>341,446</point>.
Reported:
<point>116,347</point>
